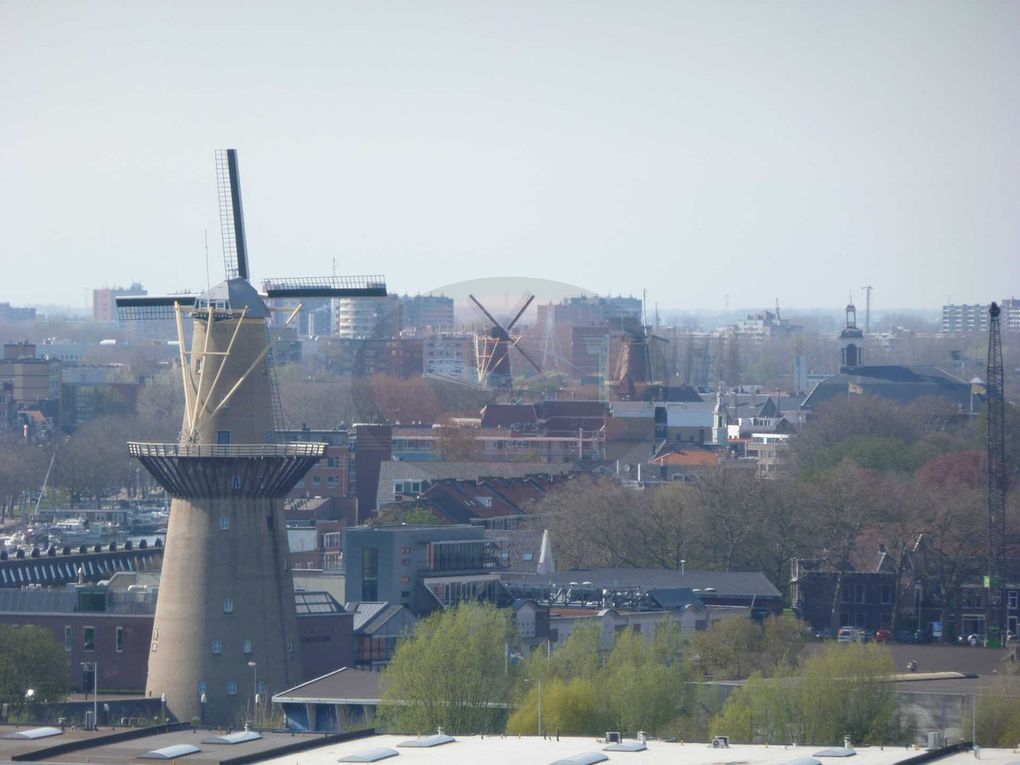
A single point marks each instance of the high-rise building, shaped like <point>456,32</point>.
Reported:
<point>427,313</point>
<point>376,317</point>
<point>104,301</point>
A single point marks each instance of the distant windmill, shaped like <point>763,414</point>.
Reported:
<point>492,349</point>
<point>225,579</point>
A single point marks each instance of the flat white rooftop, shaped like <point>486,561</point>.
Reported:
<point>510,750</point>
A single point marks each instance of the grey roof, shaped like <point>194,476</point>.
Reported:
<point>674,599</point>
<point>393,471</point>
<point>522,548</point>
<point>239,294</point>
<point>38,601</point>
<point>344,685</point>
<point>902,384</point>
<point>381,619</point>
<point>724,583</point>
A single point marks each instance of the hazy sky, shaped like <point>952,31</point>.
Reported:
<point>760,150</point>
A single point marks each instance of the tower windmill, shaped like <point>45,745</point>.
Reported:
<point>492,349</point>
<point>226,592</point>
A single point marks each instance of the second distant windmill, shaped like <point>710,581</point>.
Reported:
<point>492,349</point>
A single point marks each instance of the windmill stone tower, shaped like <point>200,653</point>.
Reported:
<point>225,613</point>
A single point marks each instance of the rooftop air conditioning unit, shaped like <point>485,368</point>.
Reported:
<point>721,742</point>
<point>613,737</point>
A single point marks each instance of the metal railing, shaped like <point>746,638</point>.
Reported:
<point>292,449</point>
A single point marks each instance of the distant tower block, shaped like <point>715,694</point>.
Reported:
<point>226,592</point>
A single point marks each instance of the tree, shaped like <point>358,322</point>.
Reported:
<point>736,647</point>
<point>452,673</point>
<point>642,685</point>
<point>31,659</point>
<point>842,691</point>
<point>22,469</point>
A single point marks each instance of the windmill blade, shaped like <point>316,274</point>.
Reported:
<point>520,350</point>
<point>326,286</point>
<point>487,314</point>
<point>142,307</point>
<point>228,191</point>
<point>527,298</point>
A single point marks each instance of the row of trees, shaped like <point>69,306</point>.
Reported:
<point>455,672</point>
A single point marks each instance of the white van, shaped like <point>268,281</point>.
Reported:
<point>850,635</point>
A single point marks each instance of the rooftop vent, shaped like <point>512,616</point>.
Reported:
<point>584,758</point>
<point>170,752</point>
<point>34,733</point>
<point>370,755</point>
<point>428,741</point>
<point>234,738</point>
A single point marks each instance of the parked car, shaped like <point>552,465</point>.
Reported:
<point>883,636</point>
<point>851,635</point>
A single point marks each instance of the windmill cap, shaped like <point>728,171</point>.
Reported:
<point>236,294</point>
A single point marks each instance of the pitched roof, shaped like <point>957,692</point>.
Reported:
<point>902,384</point>
<point>344,685</point>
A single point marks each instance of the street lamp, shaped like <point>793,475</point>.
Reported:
<point>528,680</point>
<point>94,667</point>
<point>255,690</point>
<point>202,700</point>
<point>162,705</point>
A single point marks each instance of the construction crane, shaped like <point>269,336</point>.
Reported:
<point>867,309</point>
<point>996,481</point>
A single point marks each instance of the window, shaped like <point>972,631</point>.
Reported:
<point>217,647</point>
<point>228,605</point>
<point>68,638</point>
<point>370,573</point>
<point>90,639</point>
<point>203,688</point>
<point>119,639</point>
<point>231,687</point>
<point>316,481</point>
<point>859,593</point>
<point>224,523</point>
<point>290,645</point>
<point>261,688</point>
<point>237,483</point>
<point>1012,599</point>
<point>859,620</point>
<point>887,593</point>
<point>246,646</point>
<point>223,437</point>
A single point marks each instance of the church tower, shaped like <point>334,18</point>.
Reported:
<point>851,341</point>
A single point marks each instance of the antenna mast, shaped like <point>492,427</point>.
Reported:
<point>996,480</point>
<point>867,309</point>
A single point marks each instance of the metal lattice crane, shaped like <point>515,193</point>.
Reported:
<point>996,479</point>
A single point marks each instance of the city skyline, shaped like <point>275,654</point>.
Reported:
<point>712,154</point>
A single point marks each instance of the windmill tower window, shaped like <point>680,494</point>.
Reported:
<point>217,647</point>
<point>222,437</point>
<point>237,483</point>
<point>228,605</point>
<point>224,523</point>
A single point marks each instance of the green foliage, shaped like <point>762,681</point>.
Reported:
<point>31,658</point>
<point>998,715</point>
<point>644,684</point>
<point>569,708</point>
<point>452,673</point>
<point>736,647</point>
<point>839,692</point>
